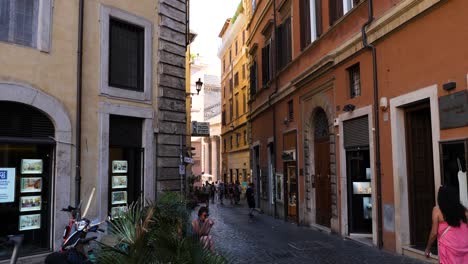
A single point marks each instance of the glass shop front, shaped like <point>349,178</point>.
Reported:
<point>26,177</point>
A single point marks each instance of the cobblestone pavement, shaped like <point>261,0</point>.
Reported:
<point>264,239</point>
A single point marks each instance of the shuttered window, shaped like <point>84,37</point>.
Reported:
<point>336,10</point>
<point>266,64</point>
<point>311,21</point>
<point>356,132</point>
<point>236,79</point>
<point>305,23</point>
<point>18,21</point>
<point>284,52</point>
<point>126,60</point>
<point>253,78</point>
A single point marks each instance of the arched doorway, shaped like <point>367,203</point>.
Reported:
<point>26,175</point>
<point>322,168</point>
<point>54,111</point>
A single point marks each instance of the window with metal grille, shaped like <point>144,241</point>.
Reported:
<point>354,80</point>
<point>236,79</point>
<point>266,64</point>
<point>126,60</point>
<point>290,110</point>
<point>19,21</point>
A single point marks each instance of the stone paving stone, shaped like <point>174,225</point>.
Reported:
<point>264,239</point>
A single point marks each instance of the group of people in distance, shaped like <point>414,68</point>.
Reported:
<point>220,191</point>
<point>449,223</point>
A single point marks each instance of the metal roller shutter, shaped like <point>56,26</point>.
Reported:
<point>24,121</point>
<point>356,132</point>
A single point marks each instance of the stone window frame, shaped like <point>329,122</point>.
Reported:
<point>106,12</point>
<point>42,31</point>
<point>105,111</point>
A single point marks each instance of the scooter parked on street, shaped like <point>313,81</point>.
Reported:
<point>75,240</point>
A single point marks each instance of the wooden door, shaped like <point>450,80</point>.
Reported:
<point>420,172</point>
<point>322,182</point>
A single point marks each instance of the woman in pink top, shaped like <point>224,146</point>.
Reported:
<point>450,227</point>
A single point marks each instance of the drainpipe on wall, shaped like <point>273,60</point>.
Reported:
<point>376,122</point>
<point>79,74</point>
<point>275,74</point>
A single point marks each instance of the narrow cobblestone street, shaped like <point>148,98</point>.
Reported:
<point>264,239</point>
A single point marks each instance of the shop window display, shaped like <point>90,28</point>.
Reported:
<point>25,184</point>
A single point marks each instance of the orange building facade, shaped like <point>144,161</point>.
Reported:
<point>358,113</point>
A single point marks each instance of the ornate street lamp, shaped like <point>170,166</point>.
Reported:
<point>198,85</point>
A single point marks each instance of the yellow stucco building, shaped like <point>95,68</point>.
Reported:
<point>234,97</point>
<point>92,96</point>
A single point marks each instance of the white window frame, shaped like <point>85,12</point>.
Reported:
<point>42,30</point>
<point>347,6</point>
<point>106,13</point>
<point>313,21</point>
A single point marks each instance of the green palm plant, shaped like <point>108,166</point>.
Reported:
<point>157,233</point>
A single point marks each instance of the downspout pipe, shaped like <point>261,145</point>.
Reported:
<point>275,61</point>
<point>378,177</point>
<point>79,74</point>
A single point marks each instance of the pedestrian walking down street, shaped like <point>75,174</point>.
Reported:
<point>231,193</point>
<point>449,227</point>
<point>217,190</point>
<point>250,199</point>
<point>221,191</point>
<point>206,194</point>
<point>201,228</point>
<point>237,192</point>
<point>212,193</point>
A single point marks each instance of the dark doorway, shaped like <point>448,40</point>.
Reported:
<point>359,190</point>
<point>322,169</point>
<point>291,187</point>
<point>420,171</point>
<point>126,157</point>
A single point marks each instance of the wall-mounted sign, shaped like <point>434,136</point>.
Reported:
<point>7,185</point>
<point>200,129</point>
<point>453,110</point>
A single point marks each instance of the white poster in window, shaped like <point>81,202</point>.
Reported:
<point>29,222</point>
<point>31,166</point>
<point>7,185</point>
<point>119,166</point>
